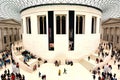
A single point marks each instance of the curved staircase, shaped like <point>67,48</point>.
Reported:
<point>17,56</point>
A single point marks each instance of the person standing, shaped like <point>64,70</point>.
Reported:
<point>12,76</point>
<point>65,71</point>
<point>88,58</point>
<point>23,77</point>
<point>94,77</point>
<point>59,72</point>
<point>39,74</point>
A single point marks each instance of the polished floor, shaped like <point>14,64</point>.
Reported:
<point>77,71</point>
<point>81,69</point>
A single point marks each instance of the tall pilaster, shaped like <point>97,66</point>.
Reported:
<point>17,34</point>
<point>114,35</point>
<point>109,34</point>
<point>12,35</point>
<point>2,38</point>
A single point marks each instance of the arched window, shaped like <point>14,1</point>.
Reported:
<point>61,24</point>
<point>28,25</point>
<point>58,24</point>
<point>80,21</point>
<point>42,24</point>
<point>94,21</point>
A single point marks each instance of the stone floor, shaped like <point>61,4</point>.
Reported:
<point>75,72</point>
<point>79,71</point>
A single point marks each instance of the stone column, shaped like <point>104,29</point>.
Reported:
<point>104,33</point>
<point>17,34</point>
<point>12,36</point>
<point>2,38</point>
<point>109,34</point>
<point>119,36</point>
<point>7,38</point>
<point>114,36</point>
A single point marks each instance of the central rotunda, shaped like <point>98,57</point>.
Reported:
<point>61,30</point>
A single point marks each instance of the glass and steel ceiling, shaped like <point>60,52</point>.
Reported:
<point>12,8</point>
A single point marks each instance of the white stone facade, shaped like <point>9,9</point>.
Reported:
<point>84,44</point>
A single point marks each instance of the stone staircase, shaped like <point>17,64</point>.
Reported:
<point>89,66</point>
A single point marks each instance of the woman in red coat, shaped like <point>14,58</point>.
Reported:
<point>12,76</point>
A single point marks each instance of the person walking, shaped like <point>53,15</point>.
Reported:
<point>65,71</point>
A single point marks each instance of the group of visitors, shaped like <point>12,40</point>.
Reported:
<point>116,54</point>
<point>27,56</point>
<point>64,72</point>
<point>43,77</point>
<point>106,74</point>
<point>69,62</point>
<point>19,48</point>
<point>7,75</point>
<point>4,58</point>
<point>99,60</point>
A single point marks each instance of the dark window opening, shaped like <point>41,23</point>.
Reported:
<point>80,24</point>
<point>28,25</point>
<point>5,40</point>
<point>41,24</point>
<point>60,24</point>
<point>93,29</point>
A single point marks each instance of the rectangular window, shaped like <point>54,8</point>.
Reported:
<point>10,39</point>
<point>41,24</point>
<point>5,40</point>
<point>28,25</point>
<point>21,36</point>
<point>94,21</point>
<point>60,24</point>
<point>80,24</point>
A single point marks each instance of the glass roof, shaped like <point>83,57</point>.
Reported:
<point>12,8</point>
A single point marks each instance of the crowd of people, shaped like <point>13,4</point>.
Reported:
<point>5,58</point>
<point>105,73</point>
<point>7,75</point>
